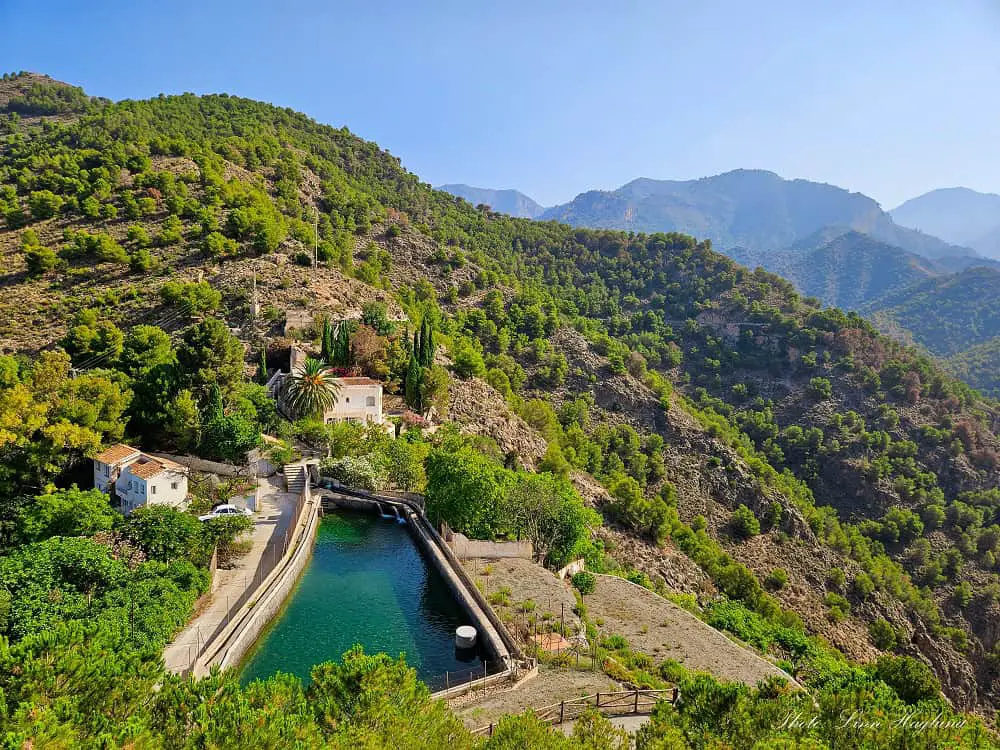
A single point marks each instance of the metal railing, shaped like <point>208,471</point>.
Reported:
<point>476,675</point>
<point>621,703</point>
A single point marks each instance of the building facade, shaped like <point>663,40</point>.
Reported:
<point>138,479</point>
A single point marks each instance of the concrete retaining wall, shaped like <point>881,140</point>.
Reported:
<point>577,566</point>
<point>465,548</point>
<point>234,646</point>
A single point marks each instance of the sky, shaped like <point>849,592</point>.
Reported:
<point>891,98</point>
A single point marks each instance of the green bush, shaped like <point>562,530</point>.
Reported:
<point>744,523</point>
<point>585,582</point>
<point>883,635</point>
<point>777,579</point>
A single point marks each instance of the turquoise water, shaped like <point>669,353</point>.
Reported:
<point>367,583</point>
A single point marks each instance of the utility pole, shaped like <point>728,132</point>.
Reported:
<point>254,301</point>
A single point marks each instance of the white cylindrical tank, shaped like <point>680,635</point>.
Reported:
<point>465,636</point>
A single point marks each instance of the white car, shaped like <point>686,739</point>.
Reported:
<point>225,510</point>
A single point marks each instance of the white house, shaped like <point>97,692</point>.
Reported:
<point>139,479</point>
<point>358,400</point>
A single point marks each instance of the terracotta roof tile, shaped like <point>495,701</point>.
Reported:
<point>147,469</point>
<point>116,454</point>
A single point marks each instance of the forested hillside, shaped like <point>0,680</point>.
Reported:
<point>837,490</point>
<point>846,271</point>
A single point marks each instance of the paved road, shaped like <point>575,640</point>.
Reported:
<point>271,523</point>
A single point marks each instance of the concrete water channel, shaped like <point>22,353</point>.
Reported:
<point>380,582</point>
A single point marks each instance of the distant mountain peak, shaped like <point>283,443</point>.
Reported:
<point>511,202</point>
<point>958,214</point>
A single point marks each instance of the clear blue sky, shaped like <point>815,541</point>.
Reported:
<point>886,97</point>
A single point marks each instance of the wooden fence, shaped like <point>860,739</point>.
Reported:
<point>623,703</point>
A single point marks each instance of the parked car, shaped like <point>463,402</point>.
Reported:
<point>224,510</point>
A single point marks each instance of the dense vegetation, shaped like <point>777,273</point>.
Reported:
<point>946,315</point>
<point>888,463</point>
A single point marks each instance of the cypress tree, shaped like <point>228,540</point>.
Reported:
<point>326,351</point>
<point>428,342</point>
<point>342,346</point>
<point>414,376</point>
<point>262,368</point>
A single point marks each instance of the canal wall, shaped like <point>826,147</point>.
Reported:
<point>240,637</point>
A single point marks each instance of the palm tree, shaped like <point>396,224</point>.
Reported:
<point>311,390</point>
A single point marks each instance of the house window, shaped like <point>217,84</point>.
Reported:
<point>107,470</point>
<point>152,490</point>
<point>369,401</point>
<point>173,485</point>
<point>347,400</point>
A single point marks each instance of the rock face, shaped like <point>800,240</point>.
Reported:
<point>481,410</point>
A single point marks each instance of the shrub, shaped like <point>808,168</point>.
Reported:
<point>912,680</point>
<point>820,388</point>
<point>744,523</point>
<point>863,585</point>
<point>585,582</point>
<point>839,606</point>
<point>776,579</point>
<point>883,635</point>
<point>359,472</point>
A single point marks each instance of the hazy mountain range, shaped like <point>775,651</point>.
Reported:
<point>957,215</point>
<point>924,272</point>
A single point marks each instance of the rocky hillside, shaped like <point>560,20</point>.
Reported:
<point>714,413</point>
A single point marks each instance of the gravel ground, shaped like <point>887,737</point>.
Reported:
<point>660,628</point>
<point>526,580</point>
<point>550,686</point>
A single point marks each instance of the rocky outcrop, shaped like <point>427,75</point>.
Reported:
<point>480,409</point>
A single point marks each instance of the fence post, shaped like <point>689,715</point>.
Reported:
<point>446,686</point>
<point>635,708</point>
<point>598,699</point>
<point>675,695</point>
<point>562,711</point>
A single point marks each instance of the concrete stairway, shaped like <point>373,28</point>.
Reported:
<point>295,477</point>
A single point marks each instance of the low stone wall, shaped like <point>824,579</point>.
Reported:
<point>465,548</point>
<point>241,639</point>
